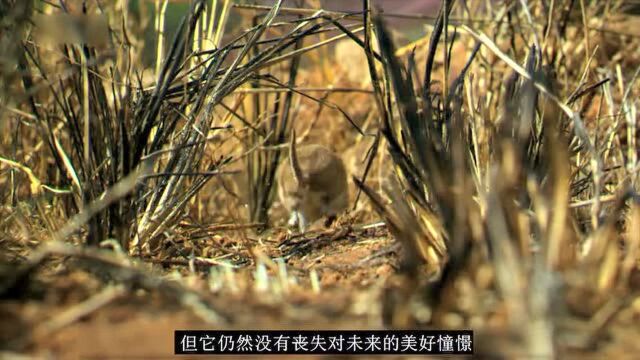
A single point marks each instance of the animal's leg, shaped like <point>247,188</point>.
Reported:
<point>302,222</point>
<point>293,219</point>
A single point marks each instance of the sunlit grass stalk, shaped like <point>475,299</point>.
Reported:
<point>85,113</point>
<point>222,22</point>
<point>159,25</point>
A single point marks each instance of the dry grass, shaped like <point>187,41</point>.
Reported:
<point>511,206</point>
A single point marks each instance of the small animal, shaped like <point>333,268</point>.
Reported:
<point>312,184</point>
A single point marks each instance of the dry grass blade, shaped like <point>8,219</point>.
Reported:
<point>113,194</point>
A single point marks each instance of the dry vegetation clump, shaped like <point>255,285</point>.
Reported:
<point>494,167</point>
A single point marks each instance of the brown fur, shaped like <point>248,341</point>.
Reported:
<point>320,189</point>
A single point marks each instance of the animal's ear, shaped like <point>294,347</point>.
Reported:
<point>293,160</point>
